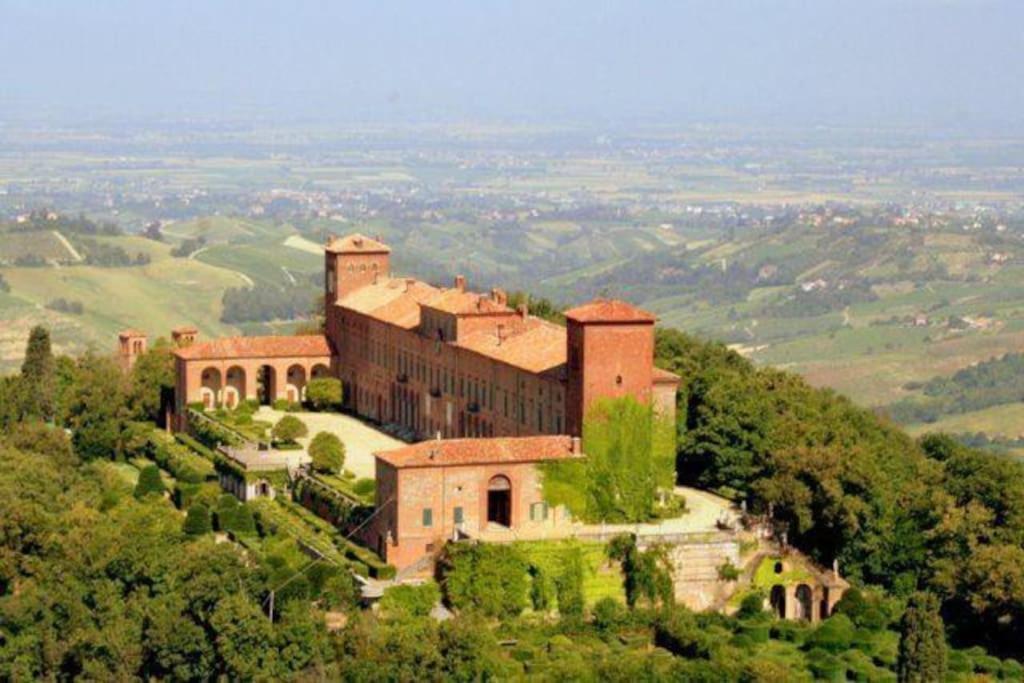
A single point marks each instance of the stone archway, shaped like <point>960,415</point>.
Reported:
<point>267,385</point>
<point>804,602</point>
<point>777,600</point>
<point>320,371</point>
<point>211,387</point>
<point>499,500</point>
<point>234,391</point>
<point>295,387</point>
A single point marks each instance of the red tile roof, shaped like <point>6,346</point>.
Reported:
<point>665,377</point>
<point>314,345</point>
<point>125,334</point>
<point>357,244</point>
<point>453,452</point>
<point>458,302</point>
<point>609,310</point>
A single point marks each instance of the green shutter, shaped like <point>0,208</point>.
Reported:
<point>428,517</point>
<point>458,515</point>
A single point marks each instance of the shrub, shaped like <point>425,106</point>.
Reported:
<point>324,393</point>
<point>364,487</point>
<point>569,584</point>
<point>408,600</point>
<point>1012,670</point>
<point>756,629</point>
<point>286,406</point>
<point>327,452</point>
<point>608,614</point>
<point>834,635</point>
<point>727,571</point>
<point>752,603</point>
<point>288,429</point>
<point>678,632</point>
<point>491,579</point>
<point>150,481</point>
<point>540,589</point>
<point>225,507</point>
<point>197,522</point>
<point>826,666</point>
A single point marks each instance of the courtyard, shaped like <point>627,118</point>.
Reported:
<point>361,439</point>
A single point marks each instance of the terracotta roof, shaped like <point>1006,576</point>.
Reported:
<point>257,347</point>
<point>665,377</point>
<point>124,334</point>
<point>357,244</point>
<point>609,310</point>
<point>186,329</point>
<point>391,300</point>
<point>449,452</point>
<point>458,302</point>
<point>536,346</point>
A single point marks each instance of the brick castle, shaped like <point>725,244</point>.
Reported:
<point>493,389</point>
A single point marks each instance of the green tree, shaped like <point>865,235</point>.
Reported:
<point>197,521</point>
<point>150,481</point>
<point>630,457</point>
<point>37,372</point>
<point>244,639</point>
<point>406,600</point>
<point>327,452</point>
<point>288,429</point>
<point>324,393</point>
<point>151,376</point>
<point>922,651</point>
<point>96,411</point>
<point>491,579</point>
<point>569,583</point>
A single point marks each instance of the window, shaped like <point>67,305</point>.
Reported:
<point>538,512</point>
<point>458,514</point>
<point>428,517</point>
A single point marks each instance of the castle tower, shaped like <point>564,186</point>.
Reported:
<point>130,345</point>
<point>610,353</point>
<point>184,336</point>
<point>353,262</point>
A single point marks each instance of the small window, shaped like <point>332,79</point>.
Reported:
<point>538,512</point>
<point>618,379</point>
<point>428,517</point>
<point>458,514</point>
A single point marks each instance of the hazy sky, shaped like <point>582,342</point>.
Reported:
<point>936,62</point>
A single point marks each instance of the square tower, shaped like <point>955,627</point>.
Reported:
<point>353,262</point>
<point>610,354</point>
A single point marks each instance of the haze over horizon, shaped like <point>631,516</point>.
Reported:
<point>952,64</point>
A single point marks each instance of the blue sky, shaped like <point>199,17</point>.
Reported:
<point>941,63</point>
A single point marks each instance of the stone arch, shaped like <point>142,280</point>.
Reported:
<point>804,602</point>
<point>499,500</point>
<point>234,390</point>
<point>320,371</point>
<point>267,384</point>
<point>823,604</point>
<point>777,600</point>
<point>211,387</point>
<point>295,384</point>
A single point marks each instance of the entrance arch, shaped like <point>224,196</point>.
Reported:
<point>210,390</point>
<point>295,388</point>
<point>804,602</point>
<point>267,385</point>
<point>499,500</point>
<point>320,371</point>
<point>777,600</point>
<point>234,392</point>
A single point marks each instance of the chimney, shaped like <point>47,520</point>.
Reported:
<point>358,240</point>
<point>330,238</point>
<point>577,447</point>
<point>460,283</point>
<point>498,296</point>
<point>523,311</point>
<point>501,334</point>
<point>409,282</point>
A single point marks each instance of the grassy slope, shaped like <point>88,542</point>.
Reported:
<point>154,298</point>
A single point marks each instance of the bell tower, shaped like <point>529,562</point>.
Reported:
<point>353,262</point>
<point>610,354</point>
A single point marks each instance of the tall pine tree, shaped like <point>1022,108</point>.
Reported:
<point>37,374</point>
<point>922,655</point>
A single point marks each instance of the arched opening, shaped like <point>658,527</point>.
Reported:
<point>804,602</point>
<point>824,604</point>
<point>234,392</point>
<point>320,371</point>
<point>267,385</point>
<point>210,390</point>
<point>777,599</point>
<point>296,388</point>
<point>499,500</point>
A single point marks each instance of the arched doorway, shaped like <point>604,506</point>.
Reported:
<point>777,599</point>
<point>234,392</point>
<point>296,387</point>
<point>320,371</point>
<point>210,391</point>
<point>824,604</point>
<point>499,500</point>
<point>804,602</point>
<point>267,385</point>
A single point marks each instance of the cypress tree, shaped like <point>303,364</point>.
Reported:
<point>922,653</point>
<point>37,373</point>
